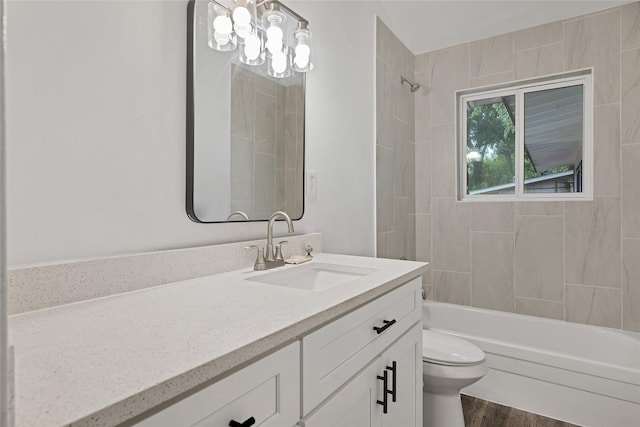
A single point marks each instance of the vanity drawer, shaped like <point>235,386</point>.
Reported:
<point>267,390</point>
<point>335,353</point>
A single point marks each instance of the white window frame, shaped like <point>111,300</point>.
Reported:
<point>518,89</point>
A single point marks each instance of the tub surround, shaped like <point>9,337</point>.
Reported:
<point>103,361</point>
<point>572,261</point>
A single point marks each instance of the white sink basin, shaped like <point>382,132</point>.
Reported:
<point>314,276</point>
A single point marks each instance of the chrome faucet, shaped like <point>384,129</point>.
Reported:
<point>271,257</point>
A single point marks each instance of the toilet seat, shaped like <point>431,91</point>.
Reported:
<point>444,349</point>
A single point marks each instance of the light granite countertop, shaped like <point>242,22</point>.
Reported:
<point>104,361</point>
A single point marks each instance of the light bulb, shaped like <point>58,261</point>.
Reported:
<point>279,62</point>
<point>243,31</point>
<point>274,46</point>
<point>222,24</point>
<point>274,32</point>
<point>301,60</point>
<point>252,47</point>
<point>241,16</point>
<point>220,38</point>
<point>303,50</point>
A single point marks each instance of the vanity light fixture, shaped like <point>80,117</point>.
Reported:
<point>259,30</point>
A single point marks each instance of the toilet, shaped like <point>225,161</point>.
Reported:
<point>448,365</point>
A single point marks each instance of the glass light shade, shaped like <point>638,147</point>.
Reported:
<point>222,24</point>
<point>275,23</point>
<point>251,50</point>
<point>220,37</point>
<point>243,31</point>
<point>241,16</point>
<point>278,64</point>
<point>301,61</point>
<point>274,45</point>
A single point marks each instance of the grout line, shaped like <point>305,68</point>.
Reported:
<point>592,14</point>
<point>583,285</point>
<point>541,300</point>
<point>564,259</point>
<point>536,47</point>
<point>627,50</point>
<point>621,265</point>
<point>491,232</point>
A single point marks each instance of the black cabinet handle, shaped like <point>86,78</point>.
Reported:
<point>247,423</point>
<point>387,324</point>
<point>394,370</point>
<point>384,401</point>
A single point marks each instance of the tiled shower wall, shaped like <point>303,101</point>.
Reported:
<point>577,261</point>
<point>395,148</point>
<point>267,131</point>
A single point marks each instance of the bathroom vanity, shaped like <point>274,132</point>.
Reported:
<point>362,369</point>
<point>226,348</point>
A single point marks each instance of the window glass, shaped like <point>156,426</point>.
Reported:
<point>527,140</point>
<point>553,140</point>
<point>490,145</point>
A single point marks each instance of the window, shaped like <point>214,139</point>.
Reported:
<point>529,140</point>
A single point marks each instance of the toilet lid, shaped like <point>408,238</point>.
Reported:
<point>447,349</point>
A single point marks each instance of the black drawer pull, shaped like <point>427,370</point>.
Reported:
<point>248,423</point>
<point>394,370</point>
<point>387,325</point>
<point>384,401</point>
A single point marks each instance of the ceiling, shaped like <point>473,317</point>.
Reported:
<point>425,25</point>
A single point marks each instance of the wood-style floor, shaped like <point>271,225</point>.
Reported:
<point>480,413</point>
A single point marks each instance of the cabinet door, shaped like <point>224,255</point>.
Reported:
<point>403,362</point>
<point>267,390</point>
<point>354,405</point>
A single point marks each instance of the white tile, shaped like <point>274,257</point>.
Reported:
<point>451,240</point>
<point>539,61</point>
<point>594,41</point>
<point>630,107</point>
<point>491,56</point>
<point>631,191</point>
<point>449,73</point>
<point>630,21</point>
<point>452,287</point>
<point>540,308</point>
<point>539,262</point>
<point>606,150</point>
<point>492,217</point>
<point>593,306</point>
<point>631,284</point>
<point>592,239</point>
<point>538,36</point>
<point>443,161</point>
<point>492,270</point>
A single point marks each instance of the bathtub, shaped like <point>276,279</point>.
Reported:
<point>581,374</point>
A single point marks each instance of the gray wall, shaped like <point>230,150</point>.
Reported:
<point>577,261</point>
<point>395,148</point>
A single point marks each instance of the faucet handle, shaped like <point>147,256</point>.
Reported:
<point>260,263</point>
<point>279,256</point>
<point>308,249</point>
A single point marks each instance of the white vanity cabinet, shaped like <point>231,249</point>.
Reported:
<point>365,369</point>
<point>267,391</point>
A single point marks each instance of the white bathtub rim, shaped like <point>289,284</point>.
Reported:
<point>628,340</point>
<point>604,329</point>
<point>572,363</point>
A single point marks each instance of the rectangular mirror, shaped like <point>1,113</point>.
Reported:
<point>245,133</point>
